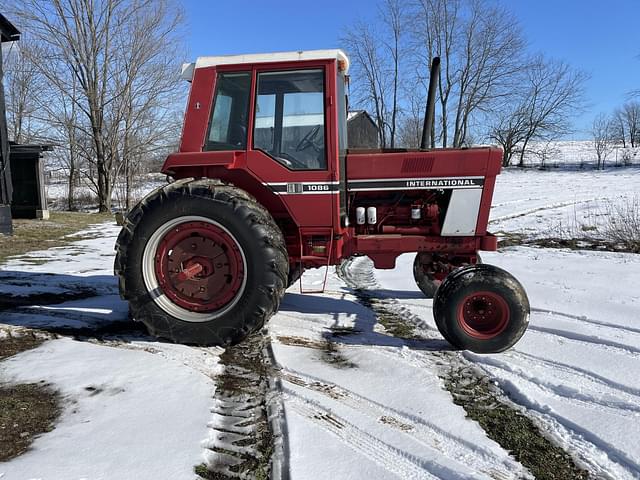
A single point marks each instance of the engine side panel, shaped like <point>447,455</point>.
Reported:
<point>459,182</point>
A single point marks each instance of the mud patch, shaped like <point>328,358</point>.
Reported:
<point>242,441</point>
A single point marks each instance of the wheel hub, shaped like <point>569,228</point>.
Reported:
<point>483,315</point>
<point>199,266</point>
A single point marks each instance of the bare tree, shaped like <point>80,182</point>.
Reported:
<point>23,83</point>
<point>105,48</point>
<point>376,54</point>
<point>631,117</point>
<point>619,127</point>
<point>602,140</point>
<point>481,45</point>
<point>547,95</point>
<point>392,14</point>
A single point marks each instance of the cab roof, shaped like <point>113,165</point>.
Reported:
<point>301,55</point>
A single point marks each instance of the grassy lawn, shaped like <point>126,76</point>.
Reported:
<point>31,235</point>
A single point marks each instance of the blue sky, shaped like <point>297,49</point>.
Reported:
<point>600,37</point>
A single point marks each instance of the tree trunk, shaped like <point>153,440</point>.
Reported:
<point>524,148</point>
<point>72,184</point>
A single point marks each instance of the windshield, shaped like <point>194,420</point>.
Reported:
<point>289,121</point>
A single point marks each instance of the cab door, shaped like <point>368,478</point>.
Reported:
<point>292,142</point>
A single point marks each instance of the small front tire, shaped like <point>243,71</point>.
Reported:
<point>481,308</point>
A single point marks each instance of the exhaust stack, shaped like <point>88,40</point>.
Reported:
<point>431,103</point>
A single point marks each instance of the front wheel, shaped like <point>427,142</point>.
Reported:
<point>481,308</point>
<point>430,269</point>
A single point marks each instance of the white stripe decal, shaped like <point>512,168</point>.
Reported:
<point>474,177</point>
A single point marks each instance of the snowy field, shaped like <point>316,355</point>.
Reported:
<point>358,402</point>
<point>559,202</point>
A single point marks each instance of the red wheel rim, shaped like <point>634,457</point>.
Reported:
<point>483,315</point>
<point>199,266</point>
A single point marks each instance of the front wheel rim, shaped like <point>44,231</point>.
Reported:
<point>194,268</point>
<point>483,315</point>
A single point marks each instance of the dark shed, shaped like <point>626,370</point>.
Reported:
<point>8,33</point>
<point>29,198</point>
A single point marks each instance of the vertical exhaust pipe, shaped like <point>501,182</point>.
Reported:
<point>431,103</point>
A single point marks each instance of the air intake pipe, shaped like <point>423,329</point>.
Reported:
<point>431,103</point>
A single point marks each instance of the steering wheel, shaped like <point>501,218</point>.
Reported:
<point>292,161</point>
<point>307,140</point>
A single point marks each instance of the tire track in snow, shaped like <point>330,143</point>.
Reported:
<point>552,206</point>
<point>603,457</point>
<point>403,465</point>
<point>358,277</point>
<point>582,373</point>
<point>585,319</point>
<point>565,393</point>
<point>465,453</point>
<point>591,340</point>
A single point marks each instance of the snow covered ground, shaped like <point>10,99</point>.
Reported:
<point>554,203</point>
<point>577,367</point>
<point>358,402</point>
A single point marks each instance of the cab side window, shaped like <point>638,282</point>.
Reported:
<point>228,125</point>
<point>289,119</point>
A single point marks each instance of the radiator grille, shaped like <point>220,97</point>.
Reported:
<point>422,164</point>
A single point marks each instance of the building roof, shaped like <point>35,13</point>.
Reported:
<point>353,114</point>
<point>8,33</point>
<point>301,55</point>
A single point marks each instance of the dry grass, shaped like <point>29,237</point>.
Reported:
<point>26,410</point>
<point>623,223</point>
<point>29,235</point>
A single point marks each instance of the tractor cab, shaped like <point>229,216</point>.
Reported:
<point>274,124</point>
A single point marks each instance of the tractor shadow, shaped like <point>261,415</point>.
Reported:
<point>83,307</point>
<point>89,308</point>
<point>355,323</point>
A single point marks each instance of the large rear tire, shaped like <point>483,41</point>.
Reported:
<point>201,263</point>
<point>481,308</point>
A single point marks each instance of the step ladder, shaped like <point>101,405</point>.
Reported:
<point>325,248</point>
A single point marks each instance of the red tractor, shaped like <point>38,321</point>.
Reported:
<point>266,187</point>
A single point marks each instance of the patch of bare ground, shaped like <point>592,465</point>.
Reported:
<point>26,410</point>
<point>579,243</point>
<point>11,344</point>
<point>30,235</point>
<point>485,403</point>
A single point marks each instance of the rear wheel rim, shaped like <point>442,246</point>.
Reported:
<point>483,315</point>
<point>194,268</point>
